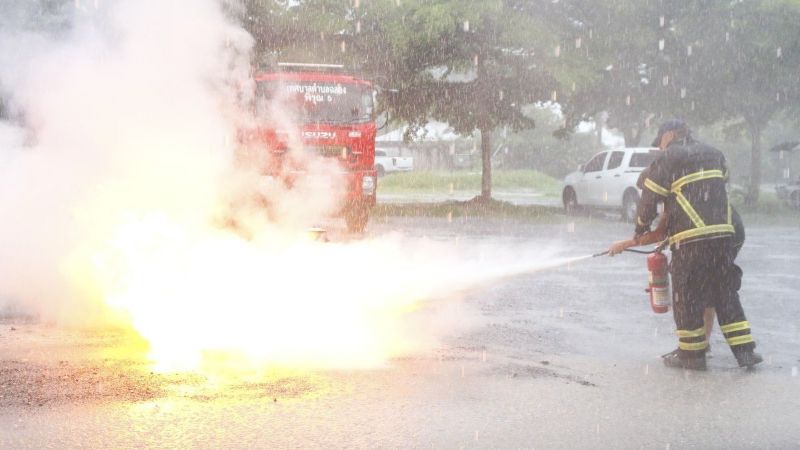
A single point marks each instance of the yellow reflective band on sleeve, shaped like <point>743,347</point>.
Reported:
<point>687,208</point>
<point>640,222</point>
<point>697,232</point>
<point>691,333</point>
<point>692,346</point>
<point>655,187</point>
<point>739,340</point>
<point>737,326</point>
<point>697,176</point>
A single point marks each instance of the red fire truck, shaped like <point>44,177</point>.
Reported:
<point>334,115</point>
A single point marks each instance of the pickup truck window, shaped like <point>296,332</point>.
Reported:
<point>596,163</point>
<point>643,159</point>
<point>615,160</point>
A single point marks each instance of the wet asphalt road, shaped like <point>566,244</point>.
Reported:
<point>563,358</point>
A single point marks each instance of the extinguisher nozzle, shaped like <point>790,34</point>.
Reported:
<point>600,254</point>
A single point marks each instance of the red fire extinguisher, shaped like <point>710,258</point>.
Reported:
<point>658,289</point>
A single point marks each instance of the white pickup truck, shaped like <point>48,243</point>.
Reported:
<point>608,181</point>
<point>387,164</point>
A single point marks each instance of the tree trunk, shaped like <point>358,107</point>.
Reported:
<point>486,158</point>
<point>633,135</point>
<point>755,165</point>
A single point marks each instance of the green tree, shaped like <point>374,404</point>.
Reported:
<point>743,65</point>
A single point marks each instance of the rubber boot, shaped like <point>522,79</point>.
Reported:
<point>748,359</point>
<point>694,363</point>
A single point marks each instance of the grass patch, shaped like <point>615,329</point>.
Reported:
<point>445,182</point>
<point>476,207</point>
<point>769,209</point>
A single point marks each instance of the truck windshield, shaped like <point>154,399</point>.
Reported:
<point>315,102</point>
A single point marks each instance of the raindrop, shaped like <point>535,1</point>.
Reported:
<point>476,435</point>
<point>77,4</point>
<point>466,26</point>
<point>573,86</point>
<point>356,3</point>
<point>779,52</point>
<point>661,21</point>
<point>794,371</point>
<point>727,36</point>
<point>557,51</point>
<point>591,33</point>
<point>628,100</point>
<point>778,97</point>
<point>780,156</point>
<point>452,188</point>
<point>646,369</point>
<point>397,2</point>
<point>571,227</point>
<point>321,35</point>
<point>344,47</point>
<point>692,106</point>
<point>483,356</point>
<point>358,26</point>
<point>605,197</point>
<point>452,152</point>
<point>554,96</point>
<point>683,92</point>
<point>578,43</point>
<point>689,50</point>
<point>660,44</point>
<point>561,312</point>
<point>462,371</point>
<point>665,80</point>
<point>501,95</point>
<point>475,60</point>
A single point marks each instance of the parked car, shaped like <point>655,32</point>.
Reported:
<point>387,164</point>
<point>608,181</point>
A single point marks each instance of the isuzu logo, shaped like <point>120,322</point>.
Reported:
<point>319,134</point>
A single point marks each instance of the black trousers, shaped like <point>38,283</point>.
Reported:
<point>704,276</point>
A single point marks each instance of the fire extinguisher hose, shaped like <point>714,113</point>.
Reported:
<point>658,248</point>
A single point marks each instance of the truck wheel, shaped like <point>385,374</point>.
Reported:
<point>381,171</point>
<point>570,200</point>
<point>629,202</point>
<point>356,218</point>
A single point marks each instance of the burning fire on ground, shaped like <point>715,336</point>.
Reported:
<point>118,166</point>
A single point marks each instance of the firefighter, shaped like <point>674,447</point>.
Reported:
<point>660,233</point>
<point>689,177</point>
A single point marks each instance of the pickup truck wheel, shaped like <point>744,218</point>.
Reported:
<point>356,218</point>
<point>629,203</point>
<point>381,171</point>
<point>570,200</point>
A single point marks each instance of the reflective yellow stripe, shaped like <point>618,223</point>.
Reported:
<point>737,326</point>
<point>687,207</point>
<point>730,214</point>
<point>739,340</point>
<point>691,333</point>
<point>693,345</point>
<point>655,187</point>
<point>639,221</point>
<point>697,176</point>
<point>696,232</point>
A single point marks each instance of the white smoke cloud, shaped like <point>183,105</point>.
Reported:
<point>122,191</point>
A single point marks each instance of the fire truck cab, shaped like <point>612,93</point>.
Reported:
<point>330,114</point>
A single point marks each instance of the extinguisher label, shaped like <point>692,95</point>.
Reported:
<point>660,296</point>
